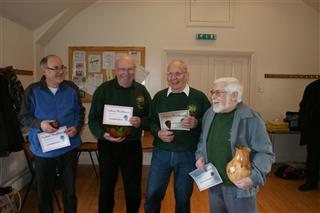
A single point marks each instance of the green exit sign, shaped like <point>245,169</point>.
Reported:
<point>203,36</point>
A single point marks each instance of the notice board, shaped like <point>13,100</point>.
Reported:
<point>90,66</point>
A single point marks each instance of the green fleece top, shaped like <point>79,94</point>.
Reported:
<point>112,93</point>
<point>197,103</point>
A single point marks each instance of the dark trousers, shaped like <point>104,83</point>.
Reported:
<point>313,162</point>
<point>46,174</point>
<point>128,158</point>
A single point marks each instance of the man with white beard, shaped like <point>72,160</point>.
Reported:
<point>229,124</point>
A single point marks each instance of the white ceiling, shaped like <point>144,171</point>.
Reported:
<point>34,13</point>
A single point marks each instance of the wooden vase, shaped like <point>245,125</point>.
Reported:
<point>239,167</point>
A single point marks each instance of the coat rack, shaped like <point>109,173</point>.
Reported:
<point>20,72</point>
<point>296,76</point>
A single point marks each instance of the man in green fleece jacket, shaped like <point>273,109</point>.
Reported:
<point>174,149</point>
<point>122,152</point>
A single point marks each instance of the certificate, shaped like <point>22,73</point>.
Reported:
<point>206,179</point>
<point>173,120</point>
<point>117,115</point>
<point>53,141</point>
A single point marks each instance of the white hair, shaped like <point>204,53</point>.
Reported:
<point>231,85</point>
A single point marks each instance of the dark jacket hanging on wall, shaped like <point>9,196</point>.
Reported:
<point>11,92</point>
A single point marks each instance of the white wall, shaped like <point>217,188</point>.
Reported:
<point>38,55</point>
<point>283,34</point>
<point>16,49</point>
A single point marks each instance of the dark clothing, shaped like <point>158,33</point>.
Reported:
<point>11,92</point>
<point>128,158</point>
<point>46,174</point>
<point>197,103</point>
<point>218,146</point>
<point>126,155</point>
<point>313,161</point>
<point>309,122</point>
<point>112,93</point>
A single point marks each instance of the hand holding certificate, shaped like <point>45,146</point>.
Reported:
<point>206,179</point>
<point>173,120</point>
<point>53,141</point>
<point>117,115</point>
<point>118,123</point>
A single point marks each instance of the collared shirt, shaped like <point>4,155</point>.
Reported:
<point>186,90</point>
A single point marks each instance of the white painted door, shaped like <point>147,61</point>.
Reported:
<point>232,66</point>
<point>205,68</point>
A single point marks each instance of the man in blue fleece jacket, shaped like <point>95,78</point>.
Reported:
<point>48,104</point>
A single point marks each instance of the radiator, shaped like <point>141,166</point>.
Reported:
<point>14,170</point>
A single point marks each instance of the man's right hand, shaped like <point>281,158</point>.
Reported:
<point>108,137</point>
<point>200,164</point>
<point>166,136</point>
<point>45,125</point>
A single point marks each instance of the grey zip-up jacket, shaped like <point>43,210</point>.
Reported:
<point>248,129</point>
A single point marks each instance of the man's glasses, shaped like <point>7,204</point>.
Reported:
<point>130,69</point>
<point>57,68</point>
<point>175,74</point>
<point>217,93</point>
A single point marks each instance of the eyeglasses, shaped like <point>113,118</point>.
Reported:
<point>130,69</point>
<point>217,93</point>
<point>175,74</point>
<point>57,68</point>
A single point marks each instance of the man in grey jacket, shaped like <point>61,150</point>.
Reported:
<point>229,124</point>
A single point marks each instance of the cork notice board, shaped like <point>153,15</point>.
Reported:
<point>90,66</point>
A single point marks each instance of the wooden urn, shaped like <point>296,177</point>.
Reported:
<point>240,166</point>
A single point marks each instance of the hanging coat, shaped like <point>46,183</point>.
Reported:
<point>11,92</point>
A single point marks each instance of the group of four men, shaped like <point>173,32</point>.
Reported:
<point>213,134</point>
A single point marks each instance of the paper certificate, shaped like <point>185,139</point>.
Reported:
<point>207,179</point>
<point>53,141</point>
<point>173,120</point>
<point>117,115</point>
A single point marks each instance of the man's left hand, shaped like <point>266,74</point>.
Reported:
<point>190,122</point>
<point>71,131</point>
<point>135,121</point>
<point>245,183</point>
